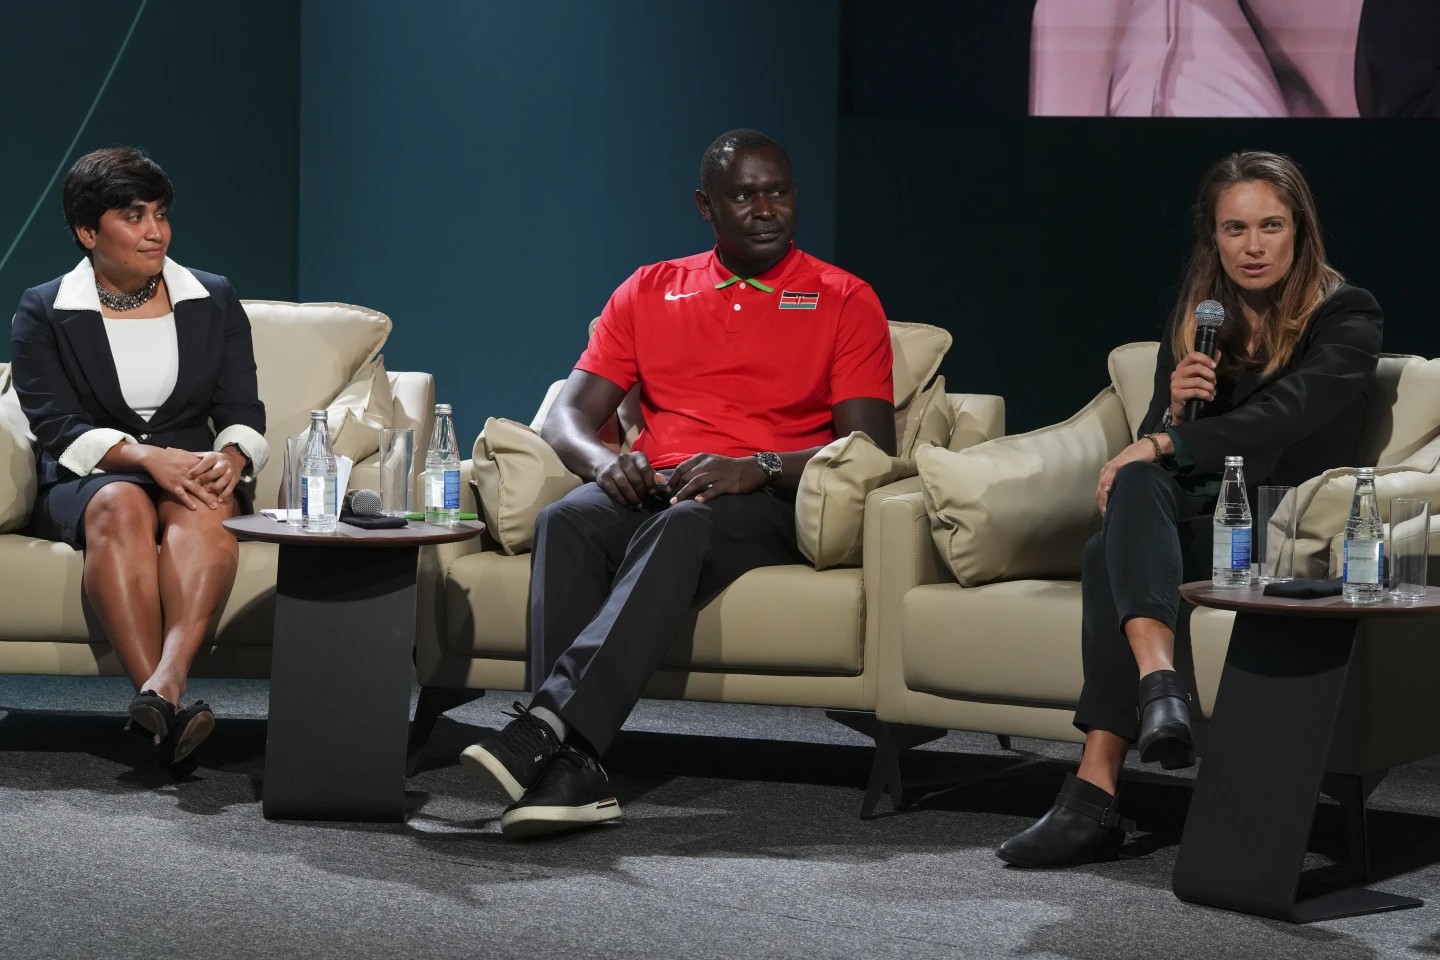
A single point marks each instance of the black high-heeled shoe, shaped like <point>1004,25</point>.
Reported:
<point>1082,827</point>
<point>151,714</point>
<point>192,725</point>
<point>1165,721</point>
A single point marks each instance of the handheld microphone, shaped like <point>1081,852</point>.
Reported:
<point>362,503</point>
<point>1209,318</point>
<point>361,508</point>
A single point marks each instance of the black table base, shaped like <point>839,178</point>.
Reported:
<point>1254,804</point>
<point>340,683</point>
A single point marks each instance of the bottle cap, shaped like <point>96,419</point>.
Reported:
<point>442,408</point>
<point>1364,473</point>
<point>319,415</point>
<point>1234,461</point>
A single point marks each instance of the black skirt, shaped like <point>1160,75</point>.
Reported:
<point>59,512</point>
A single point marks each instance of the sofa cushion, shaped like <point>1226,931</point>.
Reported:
<point>1404,413</point>
<point>830,502</point>
<point>516,475</point>
<point>1323,503</point>
<point>17,460</point>
<point>777,619</point>
<point>48,575</point>
<point>360,412</point>
<point>1022,506</point>
<point>929,418</point>
<point>305,354</point>
<point>1019,641</point>
<point>918,350</point>
<point>1132,372</point>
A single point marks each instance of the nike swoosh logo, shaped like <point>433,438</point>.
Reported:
<point>679,296</point>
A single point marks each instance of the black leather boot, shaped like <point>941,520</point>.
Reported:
<point>1082,827</point>
<point>1165,721</point>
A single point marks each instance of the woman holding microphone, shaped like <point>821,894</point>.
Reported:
<point>1287,389</point>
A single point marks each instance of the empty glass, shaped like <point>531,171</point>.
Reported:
<point>1275,534</point>
<point>1408,551</point>
<point>397,458</point>
<point>290,478</point>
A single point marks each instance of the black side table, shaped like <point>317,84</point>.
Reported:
<point>1249,822</point>
<point>340,666</point>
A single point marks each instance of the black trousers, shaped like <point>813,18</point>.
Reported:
<point>1155,536</point>
<point>610,587</point>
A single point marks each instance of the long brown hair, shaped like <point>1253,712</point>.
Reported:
<point>1297,295</point>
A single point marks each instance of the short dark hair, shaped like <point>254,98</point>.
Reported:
<point>723,148</point>
<point>111,179</point>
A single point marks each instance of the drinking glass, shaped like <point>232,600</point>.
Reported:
<point>397,458</point>
<point>1408,551</point>
<point>290,478</point>
<point>1275,534</point>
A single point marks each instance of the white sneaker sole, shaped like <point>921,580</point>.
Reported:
<point>538,821</point>
<point>478,758</point>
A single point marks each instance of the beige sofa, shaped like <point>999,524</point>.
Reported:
<point>309,356</point>
<point>791,635</point>
<point>979,561</point>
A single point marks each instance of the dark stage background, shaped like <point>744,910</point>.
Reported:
<point>487,173</point>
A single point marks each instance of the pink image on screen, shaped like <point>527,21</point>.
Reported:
<point>1194,58</point>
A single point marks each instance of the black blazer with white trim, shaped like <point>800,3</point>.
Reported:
<point>65,376</point>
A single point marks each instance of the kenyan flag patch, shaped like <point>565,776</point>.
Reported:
<point>790,300</point>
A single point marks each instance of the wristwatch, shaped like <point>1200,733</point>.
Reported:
<point>771,464</point>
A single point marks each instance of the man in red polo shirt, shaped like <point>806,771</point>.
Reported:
<point>750,358</point>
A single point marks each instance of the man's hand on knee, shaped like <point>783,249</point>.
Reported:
<point>706,476</point>
<point>629,479</point>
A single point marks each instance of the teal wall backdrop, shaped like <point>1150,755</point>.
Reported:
<point>487,174</point>
<point>207,89</point>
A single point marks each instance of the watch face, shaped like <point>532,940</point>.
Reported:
<point>770,463</point>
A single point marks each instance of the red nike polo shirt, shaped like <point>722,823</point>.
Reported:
<point>731,368</point>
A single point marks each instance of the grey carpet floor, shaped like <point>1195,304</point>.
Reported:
<point>740,839</point>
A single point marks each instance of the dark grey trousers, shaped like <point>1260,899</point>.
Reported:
<point>610,587</point>
<point>1155,536</point>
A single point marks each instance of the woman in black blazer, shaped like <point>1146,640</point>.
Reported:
<point>138,378</point>
<point>1287,389</point>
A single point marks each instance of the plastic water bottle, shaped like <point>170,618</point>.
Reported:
<point>1364,543</point>
<point>1230,553</point>
<point>319,510</point>
<point>442,471</point>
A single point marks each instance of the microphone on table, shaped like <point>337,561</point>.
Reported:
<point>361,508</point>
<point>1209,318</point>
<point>361,503</point>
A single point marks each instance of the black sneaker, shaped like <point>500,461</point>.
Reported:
<point>572,792</point>
<point>515,756</point>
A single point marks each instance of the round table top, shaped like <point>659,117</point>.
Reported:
<point>260,527</point>
<point>1252,600</point>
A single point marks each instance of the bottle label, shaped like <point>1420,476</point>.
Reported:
<point>1240,548</point>
<point>1364,561</point>
<point>452,490</point>
<point>1230,548</point>
<point>317,496</point>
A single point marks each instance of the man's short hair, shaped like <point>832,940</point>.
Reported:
<point>723,148</point>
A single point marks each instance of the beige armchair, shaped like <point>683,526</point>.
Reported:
<point>791,635</point>
<point>980,596</point>
<point>308,356</point>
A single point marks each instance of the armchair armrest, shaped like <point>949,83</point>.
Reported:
<point>978,417</point>
<point>435,560</point>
